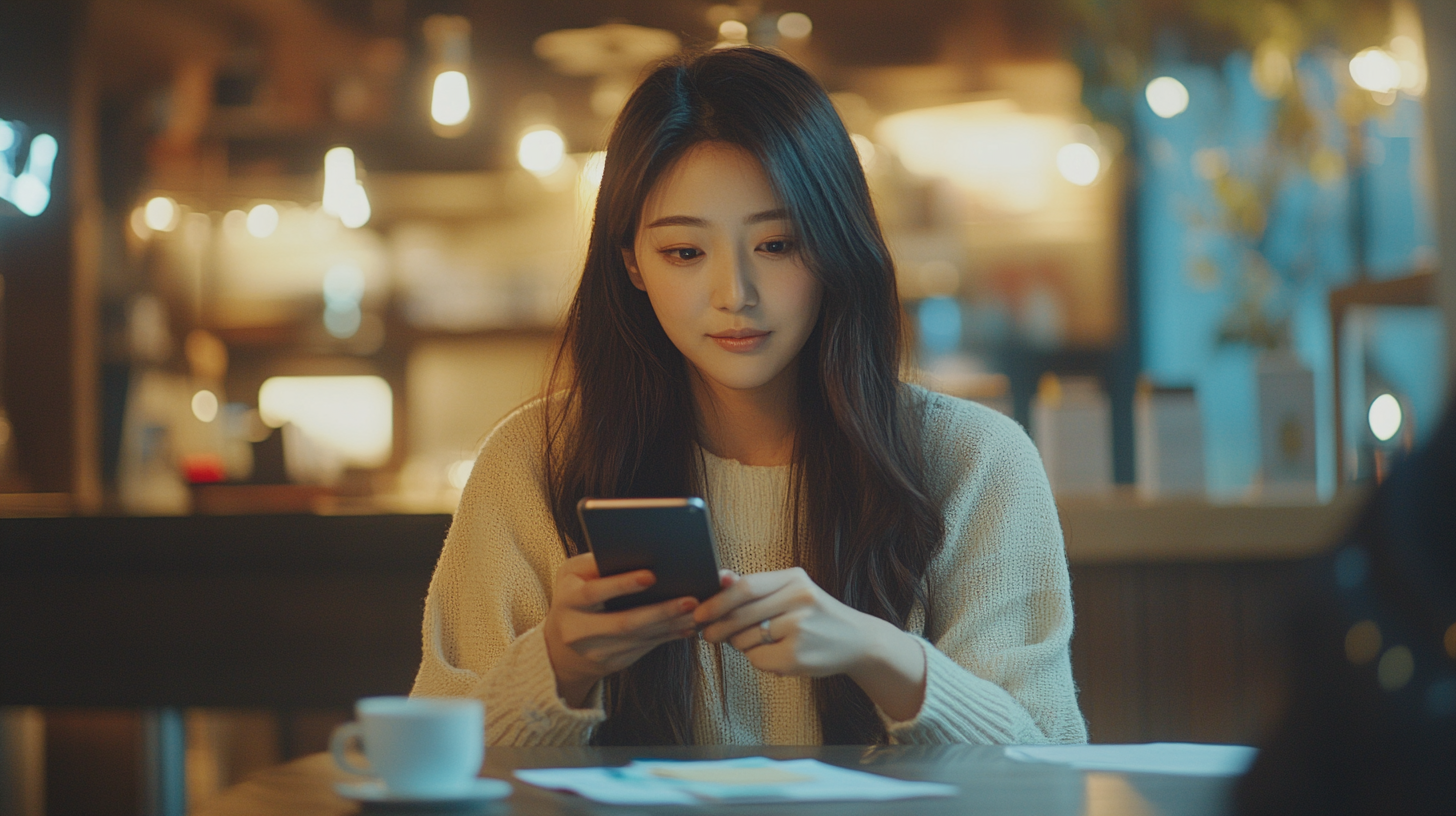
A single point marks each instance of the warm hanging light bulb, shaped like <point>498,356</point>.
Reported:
<point>448,38</point>
<point>344,196</point>
<point>355,211</point>
<point>450,102</point>
<point>340,177</point>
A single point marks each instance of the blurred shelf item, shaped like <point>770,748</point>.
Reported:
<point>1169,442</point>
<point>1286,400</point>
<point>1071,423</point>
<point>35,505</point>
<point>1123,528</point>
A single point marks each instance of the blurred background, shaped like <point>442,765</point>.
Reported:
<point>327,244</point>
<point>300,256</point>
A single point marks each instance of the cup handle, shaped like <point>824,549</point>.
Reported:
<point>346,736</point>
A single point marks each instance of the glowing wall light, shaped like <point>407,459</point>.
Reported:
<point>351,416</point>
<point>30,191</point>
<point>1167,97</point>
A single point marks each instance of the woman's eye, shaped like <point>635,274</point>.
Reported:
<point>778,246</point>
<point>682,253</point>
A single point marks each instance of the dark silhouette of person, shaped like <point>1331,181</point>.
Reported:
<point>1370,723</point>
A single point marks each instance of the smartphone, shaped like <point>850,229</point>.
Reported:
<point>671,537</point>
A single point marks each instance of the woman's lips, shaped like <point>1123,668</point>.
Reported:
<point>740,340</point>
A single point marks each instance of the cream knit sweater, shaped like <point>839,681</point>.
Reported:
<point>997,663</point>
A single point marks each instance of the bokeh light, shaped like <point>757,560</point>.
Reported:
<point>1375,70</point>
<point>161,214</point>
<point>1362,642</point>
<point>733,31</point>
<point>795,26</point>
<point>541,150</point>
<point>1395,668</point>
<point>459,473</point>
<point>1079,163</point>
<point>1385,417</point>
<point>262,220</point>
<point>1167,97</point>
<point>30,191</point>
<point>204,405</point>
<point>864,148</point>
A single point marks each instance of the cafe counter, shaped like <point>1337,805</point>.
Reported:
<point>1175,606</point>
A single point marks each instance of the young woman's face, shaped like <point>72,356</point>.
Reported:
<point>718,258</point>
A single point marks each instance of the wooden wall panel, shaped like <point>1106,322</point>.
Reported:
<point>1180,652</point>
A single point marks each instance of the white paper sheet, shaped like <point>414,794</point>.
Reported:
<point>637,784</point>
<point>1179,758</point>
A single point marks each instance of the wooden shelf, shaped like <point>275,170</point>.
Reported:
<point>1122,529</point>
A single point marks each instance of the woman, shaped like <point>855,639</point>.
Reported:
<point>895,562</point>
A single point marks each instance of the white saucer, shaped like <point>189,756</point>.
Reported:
<point>481,790</point>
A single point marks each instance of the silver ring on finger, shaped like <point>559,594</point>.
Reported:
<point>766,637</point>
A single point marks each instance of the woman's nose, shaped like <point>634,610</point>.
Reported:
<point>733,289</point>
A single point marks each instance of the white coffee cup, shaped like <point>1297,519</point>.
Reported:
<point>418,746</point>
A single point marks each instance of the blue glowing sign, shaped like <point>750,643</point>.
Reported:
<point>30,191</point>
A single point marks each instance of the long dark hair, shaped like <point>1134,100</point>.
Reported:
<point>621,419</point>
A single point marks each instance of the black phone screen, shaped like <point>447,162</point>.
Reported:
<point>671,537</point>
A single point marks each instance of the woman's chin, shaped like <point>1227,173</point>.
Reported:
<point>740,377</point>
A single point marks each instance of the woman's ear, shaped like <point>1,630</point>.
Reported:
<point>629,259</point>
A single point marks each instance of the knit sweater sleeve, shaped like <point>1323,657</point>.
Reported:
<point>490,592</point>
<point>997,658</point>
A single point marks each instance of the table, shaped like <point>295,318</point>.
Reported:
<point>989,783</point>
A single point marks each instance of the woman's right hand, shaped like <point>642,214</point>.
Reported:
<point>586,644</point>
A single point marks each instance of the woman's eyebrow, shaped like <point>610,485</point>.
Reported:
<point>679,221</point>
<point>778,214</point>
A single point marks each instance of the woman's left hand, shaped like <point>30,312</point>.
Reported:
<point>810,633</point>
